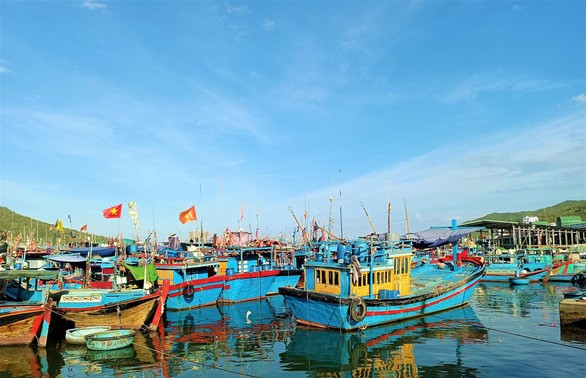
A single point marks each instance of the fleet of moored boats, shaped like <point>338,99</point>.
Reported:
<point>327,283</point>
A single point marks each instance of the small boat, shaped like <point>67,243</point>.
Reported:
<point>77,335</point>
<point>112,339</point>
<point>519,280</point>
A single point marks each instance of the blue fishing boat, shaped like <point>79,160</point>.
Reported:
<point>194,281</point>
<point>94,251</point>
<point>377,286</point>
<point>247,274</point>
<point>502,265</point>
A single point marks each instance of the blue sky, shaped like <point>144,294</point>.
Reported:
<point>457,109</point>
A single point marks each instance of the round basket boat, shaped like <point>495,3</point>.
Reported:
<point>77,335</point>
<point>112,339</point>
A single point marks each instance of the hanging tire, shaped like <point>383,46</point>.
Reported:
<point>578,278</point>
<point>357,309</point>
<point>188,293</point>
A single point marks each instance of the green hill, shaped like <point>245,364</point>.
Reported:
<point>13,224</point>
<point>549,214</point>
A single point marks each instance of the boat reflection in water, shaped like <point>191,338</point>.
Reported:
<point>145,354</point>
<point>225,338</point>
<point>29,361</point>
<point>404,349</point>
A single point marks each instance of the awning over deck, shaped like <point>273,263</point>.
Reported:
<point>435,237</point>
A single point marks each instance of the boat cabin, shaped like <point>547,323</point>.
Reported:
<point>387,275</point>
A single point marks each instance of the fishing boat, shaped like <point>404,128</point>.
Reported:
<point>95,251</point>
<point>567,271</point>
<point>193,278</point>
<point>247,274</point>
<point>25,321</point>
<point>77,335</point>
<point>109,340</point>
<point>376,286</point>
<point>503,265</point>
<point>122,308</point>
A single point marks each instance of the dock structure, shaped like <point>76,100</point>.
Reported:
<point>523,235</point>
<point>573,312</point>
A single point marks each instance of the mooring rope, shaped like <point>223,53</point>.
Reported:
<point>517,334</point>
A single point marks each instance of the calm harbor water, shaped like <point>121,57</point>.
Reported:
<point>504,332</point>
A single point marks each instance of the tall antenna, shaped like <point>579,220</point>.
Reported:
<point>222,194</point>
<point>407,219</point>
<point>389,208</point>
<point>368,217</point>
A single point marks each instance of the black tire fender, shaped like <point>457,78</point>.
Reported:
<point>357,309</point>
<point>188,292</point>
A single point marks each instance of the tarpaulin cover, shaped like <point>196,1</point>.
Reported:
<point>138,271</point>
<point>435,237</point>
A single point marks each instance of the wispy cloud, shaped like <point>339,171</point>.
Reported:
<point>3,69</point>
<point>93,5</point>
<point>579,99</point>
<point>268,24</point>
<point>507,172</point>
<point>470,87</point>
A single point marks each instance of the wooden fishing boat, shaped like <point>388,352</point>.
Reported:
<point>132,309</point>
<point>112,339</point>
<point>77,335</point>
<point>25,320</point>
<point>376,286</point>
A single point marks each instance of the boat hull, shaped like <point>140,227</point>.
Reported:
<point>133,313</point>
<point>20,325</point>
<point>285,278</point>
<point>195,293</point>
<point>247,286</point>
<point>329,311</point>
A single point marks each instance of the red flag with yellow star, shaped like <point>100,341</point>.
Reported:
<point>188,215</point>
<point>113,212</point>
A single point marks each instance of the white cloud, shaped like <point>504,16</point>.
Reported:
<point>3,69</point>
<point>580,99</point>
<point>525,170</point>
<point>93,5</point>
<point>268,24</point>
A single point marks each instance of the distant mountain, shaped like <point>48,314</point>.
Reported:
<point>549,214</point>
<point>14,224</point>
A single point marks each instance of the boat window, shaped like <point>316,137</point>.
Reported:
<point>330,277</point>
<point>337,278</point>
<point>318,276</point>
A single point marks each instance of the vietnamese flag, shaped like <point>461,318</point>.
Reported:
<point>188,215</point>
<point>83,228</point>
<point>113,212</point>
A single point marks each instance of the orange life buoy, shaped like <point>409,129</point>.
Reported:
<point>31,246</point>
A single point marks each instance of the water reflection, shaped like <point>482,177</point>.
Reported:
<point>386,350</point>
<point>24,361</point>
<point>260,338</point>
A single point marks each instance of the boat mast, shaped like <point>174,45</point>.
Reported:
<point>407,219</point>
